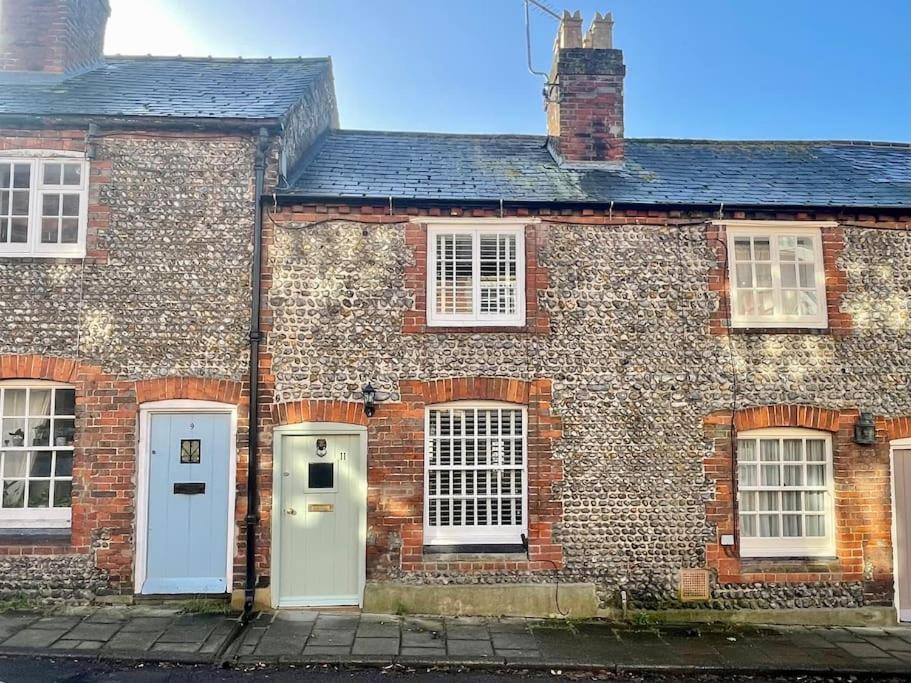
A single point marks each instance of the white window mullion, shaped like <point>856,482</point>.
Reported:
<point>476,275</point>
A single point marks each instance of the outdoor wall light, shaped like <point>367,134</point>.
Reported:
<point>371,397</point>
<point>865,430</point>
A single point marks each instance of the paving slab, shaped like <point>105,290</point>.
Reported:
<point>146,624</point>
<point>470,648</point>
<point>333,637</point>
<point>425,652</point>
<point>462,631</point>
<point>132,641</point>
<point>337,621</point>
<point>32,638</point>
<point>422,638</point>
<point>93,631</point>
<point>514,641</point>
<point>375,646</point>
<point>378,629</point>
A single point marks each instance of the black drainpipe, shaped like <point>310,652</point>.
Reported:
<point>252,518</point>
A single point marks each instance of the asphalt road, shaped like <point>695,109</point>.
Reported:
<point>29,669</point>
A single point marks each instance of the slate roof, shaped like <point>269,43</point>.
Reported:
<point>423,166</point>
<point>175,87</point>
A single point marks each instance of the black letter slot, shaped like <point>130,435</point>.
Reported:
<point>190,487</point>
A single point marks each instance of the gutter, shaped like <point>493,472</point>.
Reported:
<point>141,123</point>
<point>251,521</point>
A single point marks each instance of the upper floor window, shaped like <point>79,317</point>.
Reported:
<point>38,426</point>
<point>475,474</point>
<point>43,206</point>
<point>476,275</point>
<point>776,275</point>
<point>785,493</point>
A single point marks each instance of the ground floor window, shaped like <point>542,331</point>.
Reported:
<point>785,493</point>
<point>475,474</point>
<point>37,432</point>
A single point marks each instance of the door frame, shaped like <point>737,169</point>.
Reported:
<point>144,461</point>
<point>896,445</point>
<point>315,429</point>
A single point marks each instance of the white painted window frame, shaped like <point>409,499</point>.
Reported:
<point>898,544</point>
<point>35,518</point>
<point>476,227</point>
<point>775,229</point>
<point>806,546</point>
<point>170,406</point>
<point>33,247</point>
<point>475,535</point>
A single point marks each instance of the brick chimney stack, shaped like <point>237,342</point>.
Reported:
<point>51,36</point>
<point>585,92</point>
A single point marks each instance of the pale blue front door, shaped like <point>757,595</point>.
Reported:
<point>187,538</point>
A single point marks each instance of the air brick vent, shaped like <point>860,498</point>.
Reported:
<point>694,585</point>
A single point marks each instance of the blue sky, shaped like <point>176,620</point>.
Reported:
<point>726,69</point>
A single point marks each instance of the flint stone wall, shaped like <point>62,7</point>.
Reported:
<point>634,368</point>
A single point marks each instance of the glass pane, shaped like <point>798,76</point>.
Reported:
<point>786,247</point>
<point>72,174</point>
<point>18,230</point>
<point>63,493</point>
<point>20,203</point>
<point>70,205</point>
<point>745,305</point>
<point>761,249</point>
<point>791,501</point>
<point>768,526</point>
<point>807,275</point>
<point>49,234</point>
<point>39,432</point>
<point>765,302</point>
<point>22,175</point>
<point>63,465</point>
<point>65,402</point>
<point>790,525</point>
<point>64,432</point>
<point>52,173</point>
<point>5,174</point>
<point>788,275</point>
<point>816,525</point>
<point>4,228</point>
<point>814,500</point>
<point>748,501</point>
<point>816,475</point>
<point>792,450</point>
<point>69,230</point>
<point>746,450</point>
<point>789,302</point>
<point>747,475</point>
<point>39,494</point>
<point>14,493</point>
<point>39,402</point>
<point>793,475</point>
<point>14,402</point>
<point>770,475</point>
<point>50,205</point>
<point>805,251</point>
<point>808,304</point>
<point>321,475</point>
<point>744,275</point>
<point>747,526</point>
<point>14,431</point>
<point>15,464</point>
<point>40,464</point>
<point>763,274</point>
<point>768,450</point>
<point>768,500</point>
<point>742,248</point>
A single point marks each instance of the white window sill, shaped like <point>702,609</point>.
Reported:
<point>776,324</point>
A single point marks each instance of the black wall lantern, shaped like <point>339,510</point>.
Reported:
<point>371,396</point>
<point>865,430</point>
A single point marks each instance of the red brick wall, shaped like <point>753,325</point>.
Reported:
<point>104,468</point>
<point>395,476</point>
<point>863,506</point>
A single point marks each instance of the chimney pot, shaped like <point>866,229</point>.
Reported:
<point>600,32</point>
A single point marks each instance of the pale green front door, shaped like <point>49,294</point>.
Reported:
<point>322,495</point>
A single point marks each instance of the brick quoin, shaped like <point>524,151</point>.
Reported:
<point>395,486</point>
<point>863,506</point>
<point>104,467</point>
<point>833,243</point>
